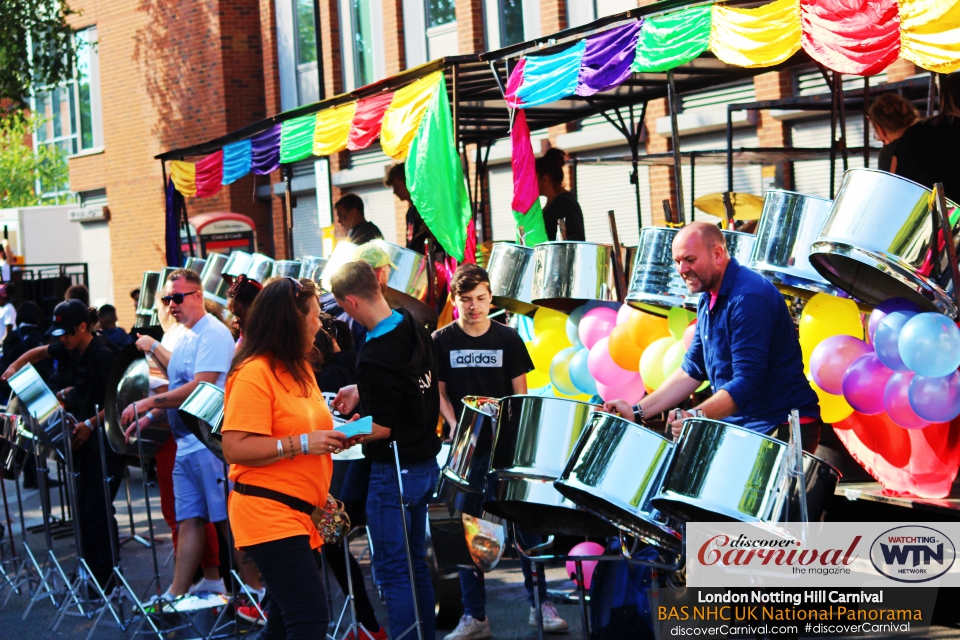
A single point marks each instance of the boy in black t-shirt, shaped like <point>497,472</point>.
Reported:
<point>478,357</point>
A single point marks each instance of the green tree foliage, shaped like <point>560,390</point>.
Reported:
<point>36,48</point>
<point>21,168</point>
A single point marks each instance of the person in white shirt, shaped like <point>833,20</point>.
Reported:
<point>8,315</point>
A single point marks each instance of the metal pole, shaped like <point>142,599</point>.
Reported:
<point>833,138</point>
<point>675,133</point>
<point>842,108</point>
<point>729,149</point>
<point>693,183</point>
<point>931,92</point>
<point>418,623</point>
<point>287,171</point>
<point>635,154</point>
<point>866,122</point>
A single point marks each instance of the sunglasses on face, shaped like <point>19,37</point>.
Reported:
<point>177,298</point>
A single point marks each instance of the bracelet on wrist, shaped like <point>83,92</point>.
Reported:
<point>638,416</point>
<point>304,444</point>
<point>279,448</point>
<point>150,417</point>
<point>154,346</point>
<point>293,449</point>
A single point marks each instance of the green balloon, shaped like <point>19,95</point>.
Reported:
<point>678,319</point>
<point>673,358</point>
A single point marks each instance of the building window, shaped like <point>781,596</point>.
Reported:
<point>511,22</point>
<point>363,42</point>
<point>440,12</point>
<point>308,74</point>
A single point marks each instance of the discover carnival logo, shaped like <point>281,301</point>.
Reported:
<point>912,554</point>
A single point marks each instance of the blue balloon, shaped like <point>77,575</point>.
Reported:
<point>573,325</point>
<point>930,345</point>
<point>886,340</point>
<point>524,326</point>
<point>560,371</point>
<point>580,374</point>
<point>935,399</point>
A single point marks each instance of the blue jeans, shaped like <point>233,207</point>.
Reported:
<point>384,522</point>
<point>472,581</point>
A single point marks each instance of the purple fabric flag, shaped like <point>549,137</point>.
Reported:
<point>175,212</point>
<point>265,151</point>
<point>607,59</point>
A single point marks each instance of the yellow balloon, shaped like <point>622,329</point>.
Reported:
<point>826,316</point>
<point>706,383</point>
<point>646,328</point>
<point>673,358</point>
<point>545,319</point>
<point>545,345</point>
<point>623,349</point>
<point>537,379</point>
<point>833,408</point>
<point>651,362</point>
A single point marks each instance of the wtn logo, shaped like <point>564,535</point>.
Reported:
<point>899,553</point>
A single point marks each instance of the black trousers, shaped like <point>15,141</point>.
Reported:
<point>809,435</point>
<point>97,523</point>
<point>334,558</point>
<point>297,609</point>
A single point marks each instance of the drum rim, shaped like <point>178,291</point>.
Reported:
<point>582,243</point>
<point>536,397</point>
<point>512,245</point>
<point>797,193</point>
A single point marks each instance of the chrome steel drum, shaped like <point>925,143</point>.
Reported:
<point>195,264</point>
<point>876,242</point>
<point>214,286</point>
<point>614,472</point>
<point>464,475</point>
<point>202,412</point>
<point>740,246</point>
<point>311,267</point>
<point>259,267</point>
<point>535,437</point>
<point>409,284</point>
<point>655,285</point>
<point>343,253</point>
<point>629,259</point>
<point>129,382</point>
<point>286,269</point>
<point>568,274</point>
<point>790,223</point>
<point>511,277</point>
<point>36,399</point>
<point>720,471</point>
<point>148,292</point>
<point>237,262</point>
<point>20,444</point>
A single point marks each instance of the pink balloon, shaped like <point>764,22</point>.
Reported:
<point>631,391</point>
<point>831,359</point>
<point>864,384</point>
<point>689,333</point>
<point>624,313</point>
<point>584,549</point>
<point>896,401</point>
<point>603,368</point>
<point>596,324</point>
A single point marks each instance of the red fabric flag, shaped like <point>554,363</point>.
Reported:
<point>367,120</point>
<point>210,175</point>
<point>856,37</point>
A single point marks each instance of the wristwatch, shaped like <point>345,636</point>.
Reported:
<point>638,414</point>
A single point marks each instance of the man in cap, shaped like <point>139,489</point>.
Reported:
<point>85,362</point>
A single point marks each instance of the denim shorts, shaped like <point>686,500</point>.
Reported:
<point>198,487</point>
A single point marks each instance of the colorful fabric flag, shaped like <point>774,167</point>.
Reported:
<point>858,37</point>
<point>607,59</point>
<point>550,77</point>
<point>930,34</point>
<point>402,119</point>
<point>526,193</point>
<point>184,177</point>
<point>332,129</point>
<point>265,150</point>
<point>673,39</point>
<point>236,161</point>
<point>367,121</point>
<point>175,211</point>
<point>759,37</point>
<point>209,175</point>
<point>296,138</point>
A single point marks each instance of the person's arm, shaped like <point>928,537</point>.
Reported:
<point>446,407</point>
<point>168,400</point>
<point>30,357</point>
<point>160,353</point>
<point>255,450</point>
<point>383,397</point>
<point>893,164</point>
<point>519,385</point>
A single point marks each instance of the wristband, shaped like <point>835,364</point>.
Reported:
<point>154,346</point>
<point>150,417</point>
<point>280,449</point>
<point>87,424</point>
<point>638,414</point>
<point>304,444</point>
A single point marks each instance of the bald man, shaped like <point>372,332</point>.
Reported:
<point>746,345</point>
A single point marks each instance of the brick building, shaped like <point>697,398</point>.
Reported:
<point>165,74</point>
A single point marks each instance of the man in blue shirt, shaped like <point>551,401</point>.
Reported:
<point>745,344</point>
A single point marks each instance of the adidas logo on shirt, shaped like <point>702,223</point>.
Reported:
<point>467,358</point>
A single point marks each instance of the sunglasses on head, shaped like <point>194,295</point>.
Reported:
<point>296,283</point>
<point>177,298</point>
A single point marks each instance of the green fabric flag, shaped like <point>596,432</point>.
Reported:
<point>673,39</point>
<point>435,176</point>
<point>296,138</point>
<point>534,230</point>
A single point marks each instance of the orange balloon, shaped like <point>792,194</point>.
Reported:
<point>623,349</point>
<point>646,328</point>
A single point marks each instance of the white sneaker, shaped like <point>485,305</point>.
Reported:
<point>552,622</point>
<point>471,629</point>
<point>154,605</point>
<point>208,586</point>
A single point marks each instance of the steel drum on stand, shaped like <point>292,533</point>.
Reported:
<point>740,246</point>
<point>464,475</point>
<point>409,284</point>
<point>721,471</point>
<point>615,470</point>
<point>535,437</point>
<point>238,262</point>
<point>195,264</point>
<point>569,274</point>
<point>214,286</point>
<point>129,382</point>
<point>202,413</point>
<point>311,267</point>
<point>876,242</point>
<point>511,277</point>
<point>259,268</point>
<point>655,286</point>
<point>148,293</point>
<point>286,269</point>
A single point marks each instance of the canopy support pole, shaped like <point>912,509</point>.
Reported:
<point>842,109</point>
<point>675,137</point>
<point>693,182</point>
<point>287,171</point>
<point>832,85</point>
<point>866,122</point>
<point>931,92</point>
<point>729,149</point>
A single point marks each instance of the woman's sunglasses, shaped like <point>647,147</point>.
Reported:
<point>177,297</point>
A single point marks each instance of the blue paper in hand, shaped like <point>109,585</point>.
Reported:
<point>361,427</point>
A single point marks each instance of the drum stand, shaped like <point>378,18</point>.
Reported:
<point>418,623</point>
<point>14,558</point>
<point>133,537</point>
<point>28,569</point>
<point>358,630</point>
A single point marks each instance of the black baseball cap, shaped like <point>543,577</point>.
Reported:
<point>68,315</point>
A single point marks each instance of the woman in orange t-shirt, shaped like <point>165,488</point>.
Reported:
<point>278,436</point>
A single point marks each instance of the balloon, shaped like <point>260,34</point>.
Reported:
<point>884,309</point>
<point>825,316</point>
<point>596,324</point>
<point>601,304</point>
<point>623,313</point>
<point>580,373</point>
<point>936,399</point>
<point>651,362</point>
<point>584,549</point>
<point>602,367</point>
<point>831,358</point>
<point>537,379</point>
<point>545,319</point>
<point>630,391</point>
<point>560,372</point>
<point>673,358</point>
<point>864,384</point>
<point>886,339</point>
<point>646,328</point>
<point>930,345</point>
<point>689,333</point>
<point>623,349</point>
<point>897,403</point>
<point>677,321</point>
<point>545,346</point>
<point>833,408</point>
<point>573,325</point>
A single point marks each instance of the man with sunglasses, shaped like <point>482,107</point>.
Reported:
<point>203,353</point>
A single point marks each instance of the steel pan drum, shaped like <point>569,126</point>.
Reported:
<point>568,274</point>
<point>877,238</point>
<point>535,437</point>
<point>790,223</point>
<point>195,264</point>
<point>655,285</point>
<point>740,246</point>
<point>463,477</point>
<point>129,382</point>
<point>720,471</point>
<point>286,269</point>
<point>18,446</point>
<point>259,267</point>
<point>214,286</point>
<point>34,394</point>
<point>409,283</point>
<point>202,412</point>
<point>614,472</point>
<point>511,277</point>
<point>238,262</point>
<point>311,267</point>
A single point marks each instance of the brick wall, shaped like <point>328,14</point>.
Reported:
<point>662,181</point>
<point>772,132</point>
<point>470,33</point>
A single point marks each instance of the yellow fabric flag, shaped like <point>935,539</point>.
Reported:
<point>930,34</point>
<point>401,121</point>
<point>759,37</point>
<point>333,129</point>
<point>184,176</point>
